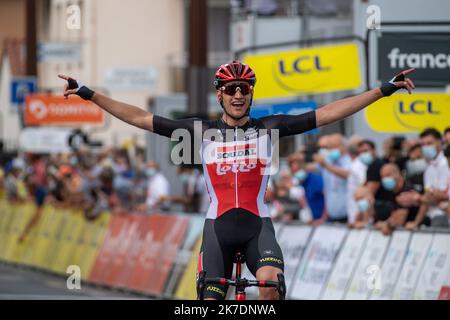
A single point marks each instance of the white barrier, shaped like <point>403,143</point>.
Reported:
<point>345,265</point>
<point>317,262</point>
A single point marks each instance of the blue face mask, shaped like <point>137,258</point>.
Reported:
<point>389,183</point>
<point>334,155</point>
<point>363,205</point>
<point>150,172</point>
<point>429,152</point>
<point>301,175</point>
<point>366,158</point>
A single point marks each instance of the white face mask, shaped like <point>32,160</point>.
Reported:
<point>414,167</point>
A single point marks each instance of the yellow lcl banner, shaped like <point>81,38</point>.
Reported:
<point>306,71</point>
<point>409,113</point>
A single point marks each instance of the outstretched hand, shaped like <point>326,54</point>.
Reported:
<point>75,87</point>
<point>401,81</point>
<point>67,90</point>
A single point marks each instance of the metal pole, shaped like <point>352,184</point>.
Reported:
<point>198,66</point>
<point>31,38</point>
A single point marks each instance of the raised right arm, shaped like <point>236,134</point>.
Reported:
<point>125,112</point>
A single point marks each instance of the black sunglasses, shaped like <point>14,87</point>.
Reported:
<point>231,89</point>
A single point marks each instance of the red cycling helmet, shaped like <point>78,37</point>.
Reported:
<point>235,70</point>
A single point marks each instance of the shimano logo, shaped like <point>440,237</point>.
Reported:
<point>216,290</point>
<point>271,259</point>
<point>418,60</point>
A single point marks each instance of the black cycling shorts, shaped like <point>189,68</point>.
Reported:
<point>237,230</point>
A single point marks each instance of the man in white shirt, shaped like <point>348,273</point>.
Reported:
<point>356,177</point>
<point>158,188</point>
<point>435,180</point>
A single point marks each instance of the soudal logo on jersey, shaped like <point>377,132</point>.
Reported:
<point>224,168</point>
<point>236,152</point>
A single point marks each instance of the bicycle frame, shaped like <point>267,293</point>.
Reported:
<point>240,283</point>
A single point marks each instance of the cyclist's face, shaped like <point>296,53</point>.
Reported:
<point>236,97</point>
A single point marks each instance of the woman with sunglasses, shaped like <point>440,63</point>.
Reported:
<point>236,168</point>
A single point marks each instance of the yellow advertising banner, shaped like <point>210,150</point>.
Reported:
<point>305,71</point>
<point>409,113</point>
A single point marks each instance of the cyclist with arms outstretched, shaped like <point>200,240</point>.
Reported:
<point>235,169</point>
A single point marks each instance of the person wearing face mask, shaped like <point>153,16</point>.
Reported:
<point>335,170</point>
<point>356,177</point>
<point>368,156</point>
<point>415,167</point>
<point>435,181</point>
<point>312,184</point>
<point>158,188</point>
<point>365,211</point>
<point>400,211</point>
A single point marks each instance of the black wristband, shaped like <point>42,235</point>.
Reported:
<point>389,88</point>
<point>83,91</point>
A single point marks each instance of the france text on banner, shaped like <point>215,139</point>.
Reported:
<point>305,71</point>
<point>409,113</point>
<point>46,110</point>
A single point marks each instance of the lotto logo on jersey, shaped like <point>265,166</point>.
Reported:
<point>222,168</point>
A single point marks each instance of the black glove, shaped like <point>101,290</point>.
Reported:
<point>82,91</point>
<point>389,87</point>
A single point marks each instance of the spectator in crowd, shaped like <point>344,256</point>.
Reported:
<point>394,151</point>
<point>286,206</point>
<point>335,167</point>
<point>446,204</point>
<point>356,177</point>
<point>158,188</point>
<point>14,187</point>
<point>101,196</point>
<point>312,184</point>
<point>365,207</point>
<point>447,137</point>
<point>403,199</point>
<point>123,179</point>
<point>415,167</point>
<point>195,198</point>
<point>435,180</point>
<point>37,193</point>
<point>382,205</point>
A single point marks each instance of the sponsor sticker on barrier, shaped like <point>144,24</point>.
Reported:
<point>414,261</point>
<point>317,262</point>
<point>345,265</point>
<point>436,270</point>
<point>367,276</point>
<point>392,265</point>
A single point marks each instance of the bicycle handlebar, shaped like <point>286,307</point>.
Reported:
<point>244,282</point>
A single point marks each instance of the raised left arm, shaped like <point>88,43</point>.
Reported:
<point>343,108</point>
